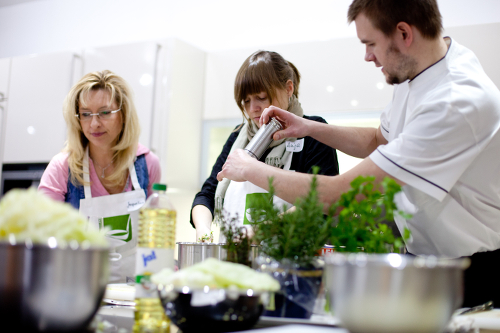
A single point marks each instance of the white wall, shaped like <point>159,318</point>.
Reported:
<point>337,63</point>
<point>182,132</point>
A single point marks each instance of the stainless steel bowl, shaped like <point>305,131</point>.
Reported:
<point>192,253</point>
<point>50,289</point>
<point>394,293</point>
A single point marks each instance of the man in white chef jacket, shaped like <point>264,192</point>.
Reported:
<point>439,138</point>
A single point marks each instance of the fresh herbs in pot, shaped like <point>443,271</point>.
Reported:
<point>237,241</point>
<point>297,235</point>
<point>362,212</point>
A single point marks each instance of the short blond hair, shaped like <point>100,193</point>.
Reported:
<point>125,149</point>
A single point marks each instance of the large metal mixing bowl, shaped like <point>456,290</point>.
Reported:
<point>394,293</point>
<point>46,289</point>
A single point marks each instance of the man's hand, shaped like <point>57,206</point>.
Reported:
<point>235,166</point>
<point>295,127</point>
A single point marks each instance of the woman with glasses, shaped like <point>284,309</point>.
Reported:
<point>103,170</point>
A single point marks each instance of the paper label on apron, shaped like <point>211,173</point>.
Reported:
<point>295,146</point>
<point>135,204</point>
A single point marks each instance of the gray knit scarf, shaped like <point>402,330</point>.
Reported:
<point>276,157</point>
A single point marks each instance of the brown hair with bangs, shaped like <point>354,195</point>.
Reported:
<point>386,14</point>
<point>264,71</point>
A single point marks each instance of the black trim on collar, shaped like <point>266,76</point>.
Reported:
<point>451,41</point>
<point>385,129</point>
<point>439,187</point>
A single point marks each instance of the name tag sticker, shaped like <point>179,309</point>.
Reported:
<point>295,146</point>
<point>135,204</point>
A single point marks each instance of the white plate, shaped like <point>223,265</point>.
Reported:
<point>120,292</point>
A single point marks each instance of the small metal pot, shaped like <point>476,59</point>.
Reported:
<point>190,253</point>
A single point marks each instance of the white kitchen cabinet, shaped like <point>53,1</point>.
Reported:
<point>4,92</point>
<point>35,127</point>
<point>137,64</point>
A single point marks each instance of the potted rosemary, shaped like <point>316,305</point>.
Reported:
<point>238,241</point>
<point>290,242</point>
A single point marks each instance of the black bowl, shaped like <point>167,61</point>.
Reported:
<point>217,310</point>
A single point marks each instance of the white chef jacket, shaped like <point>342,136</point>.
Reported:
<point>443,137</point>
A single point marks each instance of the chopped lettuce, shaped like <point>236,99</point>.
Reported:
<point>28,214</point>
<point>217,274</point>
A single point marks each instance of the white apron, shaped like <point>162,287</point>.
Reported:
<point>237,198</point>
<point>120,213</point>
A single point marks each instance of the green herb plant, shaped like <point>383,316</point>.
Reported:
<point>297,235</point>
<point>237,241</point>
<point>361,213</point>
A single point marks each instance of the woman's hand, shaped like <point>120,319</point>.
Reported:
<point>202,220</point>
<point>294,127</point>
<point>236,164</point>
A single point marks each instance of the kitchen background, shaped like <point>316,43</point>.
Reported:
<point>181,57</point>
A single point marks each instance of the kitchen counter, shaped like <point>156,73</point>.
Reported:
<point>120,319</point>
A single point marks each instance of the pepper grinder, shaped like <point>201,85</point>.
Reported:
<point>263,138</point>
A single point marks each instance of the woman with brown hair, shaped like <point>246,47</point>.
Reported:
<point>264,79</point>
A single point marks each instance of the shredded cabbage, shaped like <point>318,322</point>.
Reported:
<point>28,214</point>
<point>217,274</point>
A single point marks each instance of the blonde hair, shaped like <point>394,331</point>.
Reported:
<point>124,151</point>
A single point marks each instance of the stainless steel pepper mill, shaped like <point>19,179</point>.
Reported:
<point>263,138</point>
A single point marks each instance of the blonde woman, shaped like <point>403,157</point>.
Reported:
<point>103,171</point>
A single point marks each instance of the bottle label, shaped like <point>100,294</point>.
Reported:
<point>148,262</point>
<point>153,260</point>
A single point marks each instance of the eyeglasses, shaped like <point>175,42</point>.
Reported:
<point>103,115</point>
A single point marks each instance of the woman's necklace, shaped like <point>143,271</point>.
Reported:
<point>107,166</point>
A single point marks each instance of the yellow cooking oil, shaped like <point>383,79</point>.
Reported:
<point>155,251</point>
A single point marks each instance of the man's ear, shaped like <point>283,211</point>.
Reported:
<point>405,34</point>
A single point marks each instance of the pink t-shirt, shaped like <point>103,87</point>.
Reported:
<point>54,182</point>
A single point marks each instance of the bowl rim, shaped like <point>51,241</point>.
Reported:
<point>396,260</point>
<point>207,289</point>
<point>28,245</point>
<point>199,243</point>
